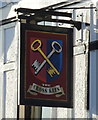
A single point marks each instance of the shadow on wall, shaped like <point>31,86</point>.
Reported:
<point>7,34</point>
<point>4,10</point>
<point>7,44</point>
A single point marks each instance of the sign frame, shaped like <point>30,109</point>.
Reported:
<point>45,102</point>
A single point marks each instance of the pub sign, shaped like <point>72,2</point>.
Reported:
<point>46,66</point>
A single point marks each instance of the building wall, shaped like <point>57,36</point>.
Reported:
<point>8,71</point>
<point>9,62</point>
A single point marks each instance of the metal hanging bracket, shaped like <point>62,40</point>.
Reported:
<point>40,15</point>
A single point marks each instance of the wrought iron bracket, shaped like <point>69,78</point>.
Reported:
<point>39,15</point>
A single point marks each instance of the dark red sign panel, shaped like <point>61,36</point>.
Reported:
<point>46,66</point>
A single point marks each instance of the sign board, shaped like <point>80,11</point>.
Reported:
<point>46,66</point>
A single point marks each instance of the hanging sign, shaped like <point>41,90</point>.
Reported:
<point>46,66</point>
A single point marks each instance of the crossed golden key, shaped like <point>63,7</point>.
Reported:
<point>46,58</point>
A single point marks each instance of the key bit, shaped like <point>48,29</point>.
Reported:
<point>36,64</point>
<point>51,72</point>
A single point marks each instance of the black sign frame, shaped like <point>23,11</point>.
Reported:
<point>43,102</point>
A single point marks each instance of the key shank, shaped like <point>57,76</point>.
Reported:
<point>48,61</point>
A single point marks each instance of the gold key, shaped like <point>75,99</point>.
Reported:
<point>45,57</point>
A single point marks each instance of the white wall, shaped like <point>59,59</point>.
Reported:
<point>37,4</point>
<point>8,71</point>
